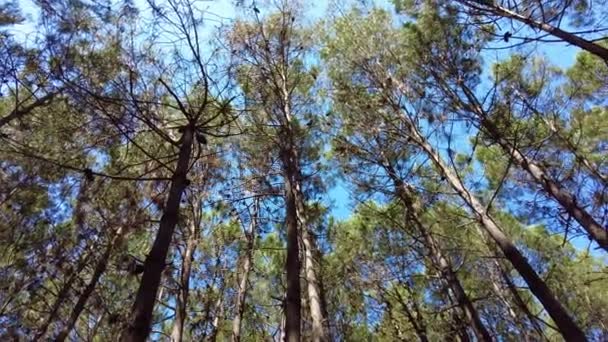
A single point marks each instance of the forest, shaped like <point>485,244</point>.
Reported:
<point>284,170</point>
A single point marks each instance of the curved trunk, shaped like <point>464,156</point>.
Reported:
<point>139,327</point>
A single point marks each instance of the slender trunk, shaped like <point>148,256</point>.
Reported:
<point>314,293</point>
<point>141,313</point>
<point>437,257</point>
<point>93,331</point>
<point>568,328</point>
<point>568,37</point>
<point>391,316</point>
<point>319,333</point>
<point>219,314</point>
<point>562,196</point>
<point>591,167</point>
<point>455,286</point>
<point>568,202</point>
<point>181,300</point>
<point>519,301</point>
<point>62,296</point>
<point>416,321</point>
<point>242,284</point>
<point>100,268</point>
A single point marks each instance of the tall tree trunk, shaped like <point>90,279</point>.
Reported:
<point>569,330</point>
<point>523,307</point>
<point>141,313</point>
<point>596,232</point>
<point>310,268</point>
<point>292,264</point>
<point>242,283</point>
<point>62,295</point>
<point>181,300</point>
<point>219,314</point>
<point>463,300</point>
<point>567,201</point>
<point>439,260</point>
<point>100,268</point>
<point>492,8</point>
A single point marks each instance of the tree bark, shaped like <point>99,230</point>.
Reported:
<point>139,327</point>
<point>181,300</point>
<point>292,264</point>
<point>310,268</point>
<point>100,269</point>
<point>62,296</point>
<point>568,328</point>
<point>596,232</point>
<point>242,284</point>
<point>439,260</point>
<point>568,37</point>
<point>219,314</point>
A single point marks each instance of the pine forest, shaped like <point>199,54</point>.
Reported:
<point>290,170</point>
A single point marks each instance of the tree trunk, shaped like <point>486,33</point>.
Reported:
<point>292,264</point>
<point>439,260</point>
<point>100,268</point>
<point>489,6</point>
<point>569,330</point>
<point>139,327</point>
<point>181,300</point>
<point>455,286</point>
<point>314,292</point>
<point>62,296</point>
<point>219,315</point>
<point>519,301</point>
<point>563,197</point>
<point>242,284</point>
<point>416,321</point>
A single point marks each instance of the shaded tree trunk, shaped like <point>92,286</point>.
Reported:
<point>437,257</point>
<point>62,296</point>
<point>242,283</point>
<point>100,268</point>
<point>519,302</point>
<point>139,327</point>
<point>415,320</point>
<point>181,300</point>
<point>292,264</point>
<point>314,292</point>
<point>219,315</point>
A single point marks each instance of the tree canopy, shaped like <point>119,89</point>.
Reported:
<point>185,170</point>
